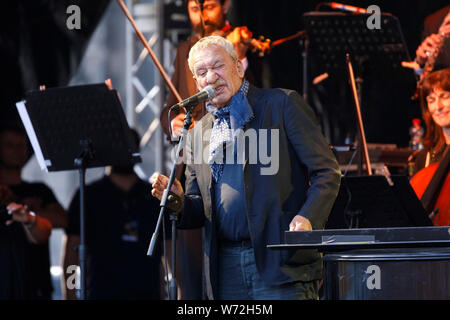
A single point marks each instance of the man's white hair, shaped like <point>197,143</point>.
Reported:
<point>209,41</point>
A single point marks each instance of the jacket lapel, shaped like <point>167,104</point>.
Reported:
<point>207,124</point>
<point>253,97</point>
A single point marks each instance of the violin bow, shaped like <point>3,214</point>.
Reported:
<point>150,51</point>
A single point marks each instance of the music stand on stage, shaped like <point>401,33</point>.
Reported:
<point>333,34</point>
<point>371,202</point>
<point>75,128</point>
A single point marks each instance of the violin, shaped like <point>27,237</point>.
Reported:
<point>242,35</point>
<point>261,45</point>
<point>432,187</point>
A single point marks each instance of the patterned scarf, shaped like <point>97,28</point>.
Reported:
<point>228,119</point>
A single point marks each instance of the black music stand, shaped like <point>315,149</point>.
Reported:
<point>75,128</point>
<point>371,202</point>
<point>333,34</point>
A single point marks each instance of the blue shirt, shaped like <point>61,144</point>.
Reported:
<point>229,193</point>
<point>230,204</point>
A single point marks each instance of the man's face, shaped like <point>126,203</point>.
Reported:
<point>13,150</point>
<point>213,16</point>
<point>214,66</point>
<point>195,16</point>
<point>439,107</point>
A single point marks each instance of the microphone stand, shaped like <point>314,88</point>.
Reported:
<point>175,205</point>
<point>305,44</point>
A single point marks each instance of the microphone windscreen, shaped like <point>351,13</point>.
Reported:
<point>210,90</point>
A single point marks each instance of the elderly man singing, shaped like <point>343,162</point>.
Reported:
<point>243,204</point>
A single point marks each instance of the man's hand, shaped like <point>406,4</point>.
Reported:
<point>20,213</point>
<point>300,223</point>
<point>240,37</point>
<point>177,124</point>
<point>431,43</point>
<point>159,184</point>
<point>37,229</point>
<point>428,48</point>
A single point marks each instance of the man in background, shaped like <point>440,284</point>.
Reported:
<point>207,17</point>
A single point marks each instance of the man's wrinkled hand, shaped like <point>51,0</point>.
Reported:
<point>159,184</point>
<point>300,223</point>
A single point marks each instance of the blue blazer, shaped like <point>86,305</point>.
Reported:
<point>306,184</point>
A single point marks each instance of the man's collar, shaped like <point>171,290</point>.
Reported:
<point>244,87</point>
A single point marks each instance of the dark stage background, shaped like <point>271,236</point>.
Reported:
<point>386,105</point>
<point>37,48</point>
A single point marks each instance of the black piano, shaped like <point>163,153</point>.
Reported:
<point>381,247</point>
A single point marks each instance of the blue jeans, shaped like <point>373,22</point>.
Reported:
<point>239,279</point>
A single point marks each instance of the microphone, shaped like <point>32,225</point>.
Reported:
<point>206,94</point>
<point>344,7</point>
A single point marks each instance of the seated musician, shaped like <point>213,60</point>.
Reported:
<point>435,105</point>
